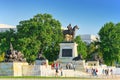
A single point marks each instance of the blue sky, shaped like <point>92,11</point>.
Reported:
<point>89,15</point>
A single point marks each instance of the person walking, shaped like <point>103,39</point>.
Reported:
<point>61,70</point>
<point>56,68</point>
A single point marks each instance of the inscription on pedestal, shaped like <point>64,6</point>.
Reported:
<point>66,52</point>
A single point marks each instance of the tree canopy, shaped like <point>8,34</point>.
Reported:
<point>81,48</point>
<point>40,34</point>
<point>109,42</point>
<point>93,52</point>
<point>5,39</point>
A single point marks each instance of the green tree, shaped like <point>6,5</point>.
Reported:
<point>81,48</point>
<point>40,34</point>
<point>93,51</point>
<point>29,46</point>
<point>110,40</point>
<point>5,39</point>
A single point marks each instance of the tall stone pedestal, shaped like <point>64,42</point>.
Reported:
<point>67,52</point>
<point>11,68</point>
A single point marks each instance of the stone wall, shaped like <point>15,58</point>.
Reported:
<point>11,68</point>
<point>38,70</point>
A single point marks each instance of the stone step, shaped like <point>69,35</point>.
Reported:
<point>70,73</point>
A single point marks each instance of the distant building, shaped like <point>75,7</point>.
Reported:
<point>4,27</point>
<point>88,38</point>
<point>63,28</point>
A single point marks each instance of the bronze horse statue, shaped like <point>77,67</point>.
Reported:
<point>70,31</point>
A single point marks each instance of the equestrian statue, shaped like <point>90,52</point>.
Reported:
<point>70,33</point>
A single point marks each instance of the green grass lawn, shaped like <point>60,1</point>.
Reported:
<point>50,78</point>
<point>45,77</point>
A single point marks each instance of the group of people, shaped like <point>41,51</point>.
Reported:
<point>92,71</point>
<point>95,71</point>
<point>70,66</point>
<point>107,72</point>
<point>57,67</point>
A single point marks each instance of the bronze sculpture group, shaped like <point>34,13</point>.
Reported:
<point>14,56</point>
<point>70,33</point>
